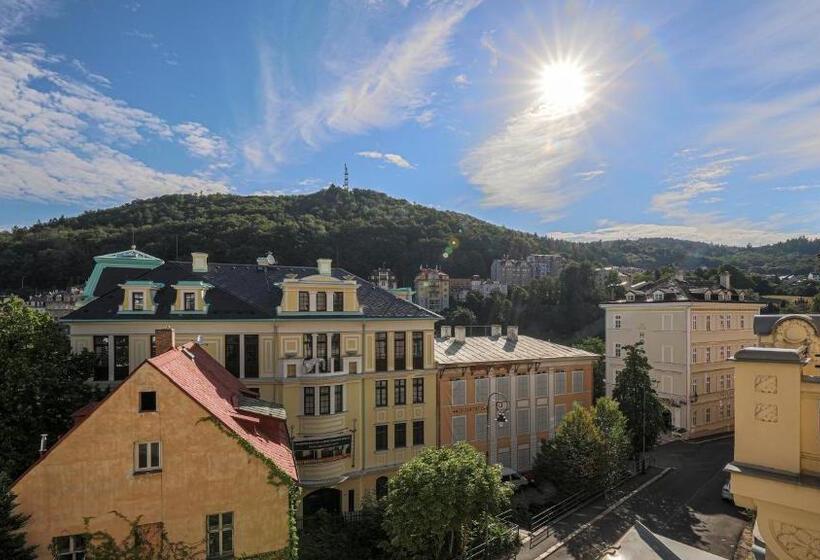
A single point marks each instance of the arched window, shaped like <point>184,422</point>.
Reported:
<point>381,487</point>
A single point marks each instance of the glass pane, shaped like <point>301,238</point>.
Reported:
<point>227,540</point>
<point>62,544</point>
<point>213,521</point>
<point>227,519</point>
<point>155,454</point>
<point>142,456</point>
<point>213,544</point>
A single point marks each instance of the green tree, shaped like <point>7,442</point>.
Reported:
<point>595,344</point>
<point>41,383</point>
<point>12,538</point>
<point>460,316</point>
<point>638,400</point>
<point>327,535</point>
<point>440,499</point>
<point>612,425</point>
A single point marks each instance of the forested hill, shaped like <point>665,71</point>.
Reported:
<point>359,229</point>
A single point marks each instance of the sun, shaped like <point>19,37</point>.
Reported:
<point>563,88</point>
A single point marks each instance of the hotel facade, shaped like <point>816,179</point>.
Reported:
<point>689,333</point>
<point>352,364</point>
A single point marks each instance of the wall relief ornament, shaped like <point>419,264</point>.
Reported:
<point>799,543</point>
<point>766,384</point>
<point>765,412</point>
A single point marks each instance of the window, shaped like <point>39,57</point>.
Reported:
<point>137,301</point>
<point>189,301</point>
<point>120,357</point>
<point>694,386</point>
<point>457,391</point>
<point>708,354</point>
<point>577,381</point>
<point>321,352</point>
<point>69,547</point>
<point>418,350</point>
<point>418,432</point>
<point>101,358</point>
<point>729,351</point>
<point>304,301</point>
<point>722,322</point>
<point>617,350</point>
<point>728,410</point>
<point>561,382</point>
<point>251,355</point>
<point>381,487</point>
<point>148,401</point>
<point>708,414</point>
<point>400,435</point>
<point>694,418</point>
<point>708,322</point>
<point>400,391</point>
<point>232,353</point>
<point>482,389</point>
<point>381,437</point>
<point>309,401</point>
<point>721,382</point>
<point>307,346</point>
<point>729,322</point>
<point>338,301</point>
<point>694,323</point>
<point>381,392</point>
<point>657,296</point>
<point>459,428</point>
<point>694,355</point>
<point>502,385</point>
<point>523,458</point>
<point>219,527</point>
<point>630,296</point>
<point>338,398</point>
<point>742,321</point>
<point>418,390</point>
<point>729,381</point>
<point>542,385</point>
<point>617,321</point>
<point>153,343</point>
<point>324,399</point>
<point>148,457</point>
<point>722,352</point>
<point>399,351</point>
<point>522,420</point>
<point>336,351</point>
<point>522,386</point>
<point>321,301</point>
<point>481,427</point>
<point>542,418</point>
<point>381,351</point>
<point>560,411</point>
<point>708,384</point>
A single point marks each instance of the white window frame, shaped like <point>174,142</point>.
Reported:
<point>617,322</point>
<point>221,553</point>
<point>76,550</point>
<point>617,350</point>
<point>148,456</point>
<point>694,355</point>
<point>694,322</point>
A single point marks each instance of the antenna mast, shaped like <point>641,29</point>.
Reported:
<point>347,177</point>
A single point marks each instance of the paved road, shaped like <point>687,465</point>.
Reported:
<point>684,505</point>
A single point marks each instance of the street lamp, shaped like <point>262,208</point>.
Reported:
<point>502,405</point>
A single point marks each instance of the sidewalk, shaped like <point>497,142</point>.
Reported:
<point>576,522</point>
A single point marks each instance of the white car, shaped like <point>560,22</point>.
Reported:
<point>515,478</point>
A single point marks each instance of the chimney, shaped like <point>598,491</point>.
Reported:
<point>324,266</point>
<point>495,330</point>
<point>726,279</point>
<point>446,331</point>
<point>512,332</point>
<point>199,262</point>
<point>166,340</point>
<point>460,333</point>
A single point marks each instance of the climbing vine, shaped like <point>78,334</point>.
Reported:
<point>276,477</point>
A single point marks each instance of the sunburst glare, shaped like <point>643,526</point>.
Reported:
<point>563,88</point>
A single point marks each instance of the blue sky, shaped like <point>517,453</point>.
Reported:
<point>585,120</point>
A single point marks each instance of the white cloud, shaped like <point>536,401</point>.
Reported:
<point>488,43</point>
<point>797,188</point>
<point>62,140</point>
<point>16,14</point>
<point>462,80</point>
<point>590,175</point>
<point>394,159</point>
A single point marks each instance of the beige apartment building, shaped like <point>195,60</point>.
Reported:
<point>690,332</point>
<point>776,466</point>
<point>432,289</point>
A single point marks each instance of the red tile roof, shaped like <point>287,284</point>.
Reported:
<point>204,379</point>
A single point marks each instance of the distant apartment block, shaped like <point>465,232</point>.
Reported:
<point>383,278</point>
<point>776,464</point>
<point>56,303</point>
<point>536,383</point>
<point>460,287</point>
<point>690,332</point>
<point>520,272</point>
<point>433,289</point>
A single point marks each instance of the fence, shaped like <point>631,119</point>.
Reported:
<point>492,548</point>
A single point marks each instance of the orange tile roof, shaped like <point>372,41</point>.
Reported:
<point>204,379</point>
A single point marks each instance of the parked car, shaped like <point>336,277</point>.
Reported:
<point>726,493</point>
<point>515,478</point>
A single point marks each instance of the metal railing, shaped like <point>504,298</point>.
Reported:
<point>489,549</point>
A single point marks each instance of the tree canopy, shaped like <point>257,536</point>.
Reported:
<point>638,399</point>
<point>41,383</point>
<point>12,524</point>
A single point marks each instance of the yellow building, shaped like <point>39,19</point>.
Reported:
<point>352,364</point>
<point>776,467</point>
<point>689,332</point>
<point>161,448</point>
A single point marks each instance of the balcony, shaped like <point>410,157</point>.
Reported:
<point>323,461</point>
<point>322,424</point>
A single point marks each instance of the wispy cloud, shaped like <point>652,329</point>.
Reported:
<point>61,139</point>
<point>462,80</point>
<point>798,188</point>
<point>488,43</point>
<point>16,14</point>
<point>385,90</point>
<point>590,175</point>
<point>393,159</point>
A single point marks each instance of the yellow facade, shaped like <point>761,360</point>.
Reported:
<point>776,467</point>
<point>91,473</point>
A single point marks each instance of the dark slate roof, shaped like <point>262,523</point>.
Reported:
<point>240,291</point>
<point>764,324</point>
<point>756,354</point>
<point>680,290</point>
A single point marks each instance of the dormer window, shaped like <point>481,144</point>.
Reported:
<point>139,296</point>
<point>630,296</point>
<point>658,296</point>
<point>321,301</point>
<point>304,301</point>
<point>707,295</point>
<point>721,296</point>
<point>338,301</point>
<point>138,301</point>
<point>189,301</point>
<point>190,297</point>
